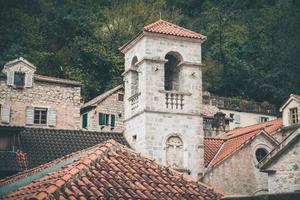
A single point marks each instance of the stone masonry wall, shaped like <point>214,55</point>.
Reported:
<point>146,115</point>
<point>239,174</point>
<point>286,177</point>
<point>111,105</point>
<point>65,99</point>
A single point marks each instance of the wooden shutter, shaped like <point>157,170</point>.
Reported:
<point>10,77</point>
<point>51,117</point>
<point>101,119</point>
<point>5,114</point>
<point>29,115</point>
<point>28,79</point>
<point>112,120</point>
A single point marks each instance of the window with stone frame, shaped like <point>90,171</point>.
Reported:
<point>260,153</point>
<point>293,116</point>
<point>40,116</point>
<point>174,152</point>
<point>19,79</point>
<point>171,70</point>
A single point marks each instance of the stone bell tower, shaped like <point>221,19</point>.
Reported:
<point>163,95</point>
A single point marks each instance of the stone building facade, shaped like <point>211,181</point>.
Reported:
<point>163,94</point>
<point>104,113</point>
<point>291,111</point>
<point>29,99</point>
<point>282,165</point>
<point>238,174</point>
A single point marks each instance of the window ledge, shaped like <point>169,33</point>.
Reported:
<point>18,86</point>
<point>134,96</point>
<point>175,92</point>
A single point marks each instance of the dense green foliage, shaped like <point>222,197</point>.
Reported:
<point>253,47</point>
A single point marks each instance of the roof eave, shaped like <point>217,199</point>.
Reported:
<point>125,47</point>
<point>288,101</point>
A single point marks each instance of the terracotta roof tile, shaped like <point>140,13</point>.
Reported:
<point>164,27</point>
<point>115,172</point>
<point>102,96</point>
<point>56,80</point>
<point>277,123</point>
<point>211,147</point>
<point>209,111</point>
<point>44,145</point>
<point>234,139</point>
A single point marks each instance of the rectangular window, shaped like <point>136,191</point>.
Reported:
<point>120,97</point>
<point>40,116</point>
<point>263,119</point>
<point>6,143</point>
<point>112,121</point>
<point>101,119</point>
<point>84,120</point>
<point>19,79</point>
<point>106,119</point>
<point>294,115</point>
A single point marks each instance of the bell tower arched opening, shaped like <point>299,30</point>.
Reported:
<point>172,71</point>
<point>134,77</point>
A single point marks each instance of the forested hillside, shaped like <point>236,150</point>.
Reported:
<point>252,51</point>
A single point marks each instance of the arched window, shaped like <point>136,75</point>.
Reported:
<point>134,77</point>
<point>174,152</point>
<point>172,71</point>
<point>260,153</point>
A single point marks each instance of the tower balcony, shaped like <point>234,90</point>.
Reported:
<point>175,100</point>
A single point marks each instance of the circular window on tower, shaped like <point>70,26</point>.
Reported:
<point>260,153</point>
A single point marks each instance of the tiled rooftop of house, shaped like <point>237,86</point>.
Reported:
<point>211,147</point>
<point>106,171</point>
<point>56,80</point>
<point>164,27</point>
<point>209,111</point>
<point>102,96</point>
<point>233,140</point>
<point>43,145</point>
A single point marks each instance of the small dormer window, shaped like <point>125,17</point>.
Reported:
<point>294,116</point>
<point>19,79</point>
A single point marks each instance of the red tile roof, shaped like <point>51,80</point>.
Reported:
<point>164,27</point>
<point>109,170</point>
<point>271,126</point>
<point>209,111</point>
<point>56,80</point>
<point>211,147</point>
<point>234,139</point>
<point>102,96</point>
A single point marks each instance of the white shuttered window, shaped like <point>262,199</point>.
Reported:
<point>5,114</point>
